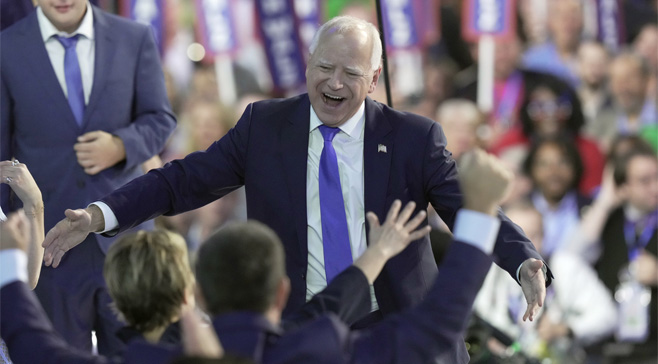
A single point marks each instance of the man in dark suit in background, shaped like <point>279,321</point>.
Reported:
<point>311,166</point>
<point>83,104</point>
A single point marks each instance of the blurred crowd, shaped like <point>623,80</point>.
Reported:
<point>574,118</point>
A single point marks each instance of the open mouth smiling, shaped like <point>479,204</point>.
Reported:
<point>331,99</point>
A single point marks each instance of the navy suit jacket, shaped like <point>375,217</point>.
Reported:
<point>267,153</point>
<point>423,334</point>
<point>31,338</point>
<point>128,99</point>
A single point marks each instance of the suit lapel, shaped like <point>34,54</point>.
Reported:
<point>294,147</point>
<point>377,155</point>
<point>102,61</point>
<point>36,54</point>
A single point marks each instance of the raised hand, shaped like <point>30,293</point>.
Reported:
<point>18,177</point>
<point>484,181</point>
<point>397,231</point>
<point>391,238</point>
<point>15,232</point>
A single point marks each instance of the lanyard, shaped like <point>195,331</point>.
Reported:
<point>636,243</point>
<point>507,103</point>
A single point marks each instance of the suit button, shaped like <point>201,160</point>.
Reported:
<point>81,183</point>
<point>303,276</point>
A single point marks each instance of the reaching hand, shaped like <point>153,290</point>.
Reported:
<point>15,232</point>
<point>397,231</point>
<point>99,150</point>
<point>66,234</point>
<point>533,284</point>
<point>18,177</point>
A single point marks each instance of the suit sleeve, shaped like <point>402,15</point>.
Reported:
<point>6,111</point>
<point>442,186</point>
<point>431,329</point>
<point>152,119</point>
<point>28,333</point>
<point>185,184</point>
<point>347,296</point>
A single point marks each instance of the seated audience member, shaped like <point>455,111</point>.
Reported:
<point>26,224</point>
<point>557,55</point>
<point>555,169</point>
<point>151,284</point>
<point>204,122</point>
<point>594,94</point>
<point>629,77</point>
<point>461,121</point>
<point>510,81</point>
<point>586,241</point>
<point>628,264</point>
<point>568,314</point>
<point>551,109</point>
<point>646,45</point>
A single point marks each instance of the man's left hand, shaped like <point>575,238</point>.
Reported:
<point>533,284</point>
<point>99,150</point>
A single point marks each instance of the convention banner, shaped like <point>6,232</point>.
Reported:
<point>309,18</point>
<point>611,30</point>
<point>400,26</point>
<point>488,17</point>
<point>149,12</point>
<point>427,14</point>
<point>278,28</point>
<point>215,27</point>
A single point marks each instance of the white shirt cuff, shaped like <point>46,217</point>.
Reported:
<point>518,273</point>
<point>13,266</point>
<point>477,229</point>
<point>111,221</point>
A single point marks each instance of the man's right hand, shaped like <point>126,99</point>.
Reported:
<point>484,181</point>
<point>70,232</point>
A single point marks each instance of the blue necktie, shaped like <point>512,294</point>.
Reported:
<point>73,77</point>
<point>335,236</point>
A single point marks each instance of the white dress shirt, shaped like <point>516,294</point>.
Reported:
<point>84,49</point>
<point>348,144</point>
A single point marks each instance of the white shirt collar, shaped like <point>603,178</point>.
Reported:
<point>352,127</point>
<point>48,30</point>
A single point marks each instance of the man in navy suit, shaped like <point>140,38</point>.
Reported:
<point>277,151</point>
<point>83,104</point>
<point>249,306</point>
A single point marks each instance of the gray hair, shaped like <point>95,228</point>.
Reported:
<point>345,24</point>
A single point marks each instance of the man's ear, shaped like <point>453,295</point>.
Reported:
<point>375,79</point>
<point>282,293</point>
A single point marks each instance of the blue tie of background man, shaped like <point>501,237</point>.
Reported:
<point>335,236</point>
<point>73,77</point>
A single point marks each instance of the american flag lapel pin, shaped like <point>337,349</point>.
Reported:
<point>381,148</point>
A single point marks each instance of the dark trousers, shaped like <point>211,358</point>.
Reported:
<point>75,298</point>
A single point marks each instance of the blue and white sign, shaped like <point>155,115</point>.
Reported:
<point>149,12</point>
<point>399,26</point>
<point>487,17</point>
<point>216,26</point>
<point>279,30</point>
